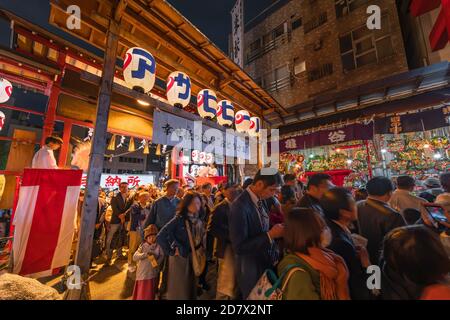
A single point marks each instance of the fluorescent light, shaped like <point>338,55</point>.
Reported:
<point>349,161</point>
<point>437,156</point>
<point>143,103</point>
<point>383,150</point>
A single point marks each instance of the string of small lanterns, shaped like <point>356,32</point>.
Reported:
<point>139,72</point>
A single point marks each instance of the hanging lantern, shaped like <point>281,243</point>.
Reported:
<point>2,120</point>
<point>178,89</point>
<point>225,113</point>
<point>255,127</point>
<point>195,155</point>
<point>207,103</point>
<point>158,150</point>
<point>146,150</point>
<point>242,121</point>
<point>131,147</point>
<point>202,157</point>
<point>112,143</point>
<point>194,170</point>
<point>209,158</point>
<point>5,90</point>
<point>139,69</point>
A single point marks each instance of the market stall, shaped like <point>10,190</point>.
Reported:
<point>345,152</point>
<point>413,143</point>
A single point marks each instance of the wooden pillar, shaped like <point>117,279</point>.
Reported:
<point>55,90</point>
<point>369,164</point>
<point>89,211</point>
<point>62,161</point>
<point>173,164</point>
<point>180,166</point>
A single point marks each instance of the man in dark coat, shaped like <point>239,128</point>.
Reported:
<point>317,185</point>
<point>375,217</point>
<point>164,209</point>
<point>252,241</point>
<point>120,205</point>
<point>226,275</point>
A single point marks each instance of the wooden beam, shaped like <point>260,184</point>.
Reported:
<point>90,204</point>
<point>120,9</point>
<point>249,97</point>
<point>214,63</point>
<point>269,111</point>
<point>154,103</point>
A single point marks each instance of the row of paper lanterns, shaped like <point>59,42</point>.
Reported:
<point>5,93</point>
<point>139,72</point>
<point>202,157</point>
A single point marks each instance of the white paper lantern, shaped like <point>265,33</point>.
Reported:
<point>209,158</point>
<point>202,157</point>
<point>194,170</point>
<point>139,69</point>
<point>5,90</point>
<point>242,121</point>
<point>255,127</point>
<point>178,89</point>
<point>195,155</point>
<point>2,120</point>
<point>225,113</point>
<point>207,103</point>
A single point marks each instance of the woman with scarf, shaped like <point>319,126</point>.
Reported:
<point>174,240</point>
<point>321,274</point>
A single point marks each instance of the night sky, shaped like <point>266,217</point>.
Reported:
<point>212,17</point>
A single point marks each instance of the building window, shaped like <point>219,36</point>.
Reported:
<point>299,66</point>
<point>278,79</point>
<point>268,42</point>
<point>344,7</point>
<point>255,46</point>
<point>297,23</point>
<point>362,46</point>
<point>315,22</point>
<point>131,160</point>
<point>320,72</point>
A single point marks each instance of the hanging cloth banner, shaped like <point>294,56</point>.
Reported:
<point>328,137</point>
<point>415,122</point>
<point>237,33</point>
<point>172,130</point>
<point>44,221</point>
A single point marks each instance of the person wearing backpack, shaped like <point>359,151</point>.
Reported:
<point>321,274</point>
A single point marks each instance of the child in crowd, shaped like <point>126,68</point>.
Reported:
<point>149,258</point>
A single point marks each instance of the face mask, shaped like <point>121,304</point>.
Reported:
<point>325,238</point>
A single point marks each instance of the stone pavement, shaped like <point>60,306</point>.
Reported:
<point>115,283</point>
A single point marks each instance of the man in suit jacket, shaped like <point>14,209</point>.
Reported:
<point>375,217</point>
<point>252,241</point>
<point>120,205</point>
<point>317,185</point>
<point>339,208</point>
<point>226,275</point>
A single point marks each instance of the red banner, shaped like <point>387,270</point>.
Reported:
<point>440,34</point>
<point>328,137</point>
<point>44,220</point>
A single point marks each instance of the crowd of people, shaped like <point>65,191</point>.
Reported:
<point>319,239</point>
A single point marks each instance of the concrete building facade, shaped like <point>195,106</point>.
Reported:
<point>300,49</point>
